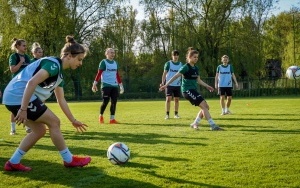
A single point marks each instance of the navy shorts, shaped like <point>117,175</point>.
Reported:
<point>173,91</point>
<point>226,90</point>
<point>35,109</point>
<point>193,96</point>
<point>110,92</point>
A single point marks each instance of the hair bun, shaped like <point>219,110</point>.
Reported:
<point>70,39</point>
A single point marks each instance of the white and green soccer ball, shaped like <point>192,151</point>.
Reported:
<point>293,72</point>
<point>118,153</point>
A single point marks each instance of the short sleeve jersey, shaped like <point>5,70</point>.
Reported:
<point>14,59</point>
<point>14,91</point>
<point>225,75</point>
<point>172,68</point>
<point>190,75</point>
<point>109,74</point>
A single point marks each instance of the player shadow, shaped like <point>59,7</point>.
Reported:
<point>146,138</point>
<point>188,183</point>
<point>254,119</point>
<point>48,173</point>
<point>274,131</point>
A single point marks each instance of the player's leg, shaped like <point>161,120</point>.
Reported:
<point>12,124</point>
<point>105,100</point>
<point>114,94</point>
<point>53,123</point>
<point>228,101</point>
<point>222,100</point>
<point>205,109</point>
<point>176,93</point>
<point>168,101</point>
<point>38,131</point>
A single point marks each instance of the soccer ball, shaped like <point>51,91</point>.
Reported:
<point>118,153</point>
<point>293,72</point>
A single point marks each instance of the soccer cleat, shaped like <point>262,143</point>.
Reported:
<point>223,113</point>
<point>101,119</point>
<point>228,112</point>
<point>167,117</point>
<point>78,161</point>
<point>113,121</point>
<point>194,126</point>
<point>176,116</point>
<point>216,128</point>
<point>15,167</point>
<point>13,132</point>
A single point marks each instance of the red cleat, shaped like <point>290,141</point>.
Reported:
<point>15,167</point>
<point>78,161</point>
<point>101,119</point>
<point>113,121</point>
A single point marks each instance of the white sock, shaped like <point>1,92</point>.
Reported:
<point>197,120</point>
<point>211,122</point>
<point>226,109</point>
<point>13,126</point>
<point>223,109</point>
<point>66,155</point>
<point>17,156</point>
<point>112,116</point>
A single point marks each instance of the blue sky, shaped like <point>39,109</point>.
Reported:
<point>286,5</point>
<point>282,5</point>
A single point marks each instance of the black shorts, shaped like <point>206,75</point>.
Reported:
<point>193,96</point>
<point>173,91</point>
<point>225,90</point>
<point>35,109</point>
<point>110,92</point>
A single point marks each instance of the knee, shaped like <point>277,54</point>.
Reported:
<point>176,99</point>
<point>55,123</point>
<point>168,99</point>
<point>41,131</point>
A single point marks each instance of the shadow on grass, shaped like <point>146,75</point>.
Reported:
<point>255,119</point>
<point>46,173</point>
<point>186,183</point>
<point>145,138</point>
<point>275,131</point>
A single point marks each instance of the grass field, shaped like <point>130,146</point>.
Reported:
<point>260,147</point>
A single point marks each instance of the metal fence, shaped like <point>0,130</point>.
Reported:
<point>247,88</point>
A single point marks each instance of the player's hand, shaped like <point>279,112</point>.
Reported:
<point>22,59</point>
<point>21,117</point>
<point>162,87</point>
<point>237,86</point>
<point>210,89</point>
<point>94,88</point>
<point>121,88</point>
<point>80,127</point>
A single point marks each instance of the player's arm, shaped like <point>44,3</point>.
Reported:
<point>235,81</point>
<point>60,97</point>
<point>208,87</point>
<point>163,78</point>
<point>178,74</point>
<point>39,77</point>
<point>120,83</point>
<point>15,67</point>
<point>216,80</point>
<point>97,78</point>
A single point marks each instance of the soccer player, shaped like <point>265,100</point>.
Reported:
<point>223,82</point>
<point>190,81</point>
<point>17,62</point>
<point>170,69</point>
<point>24,96</point>
<point>36,51</point>
<point>110,81</point>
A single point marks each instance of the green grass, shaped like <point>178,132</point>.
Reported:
<point>260,147</point>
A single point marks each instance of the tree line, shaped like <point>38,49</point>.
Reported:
<point>259,44</point>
